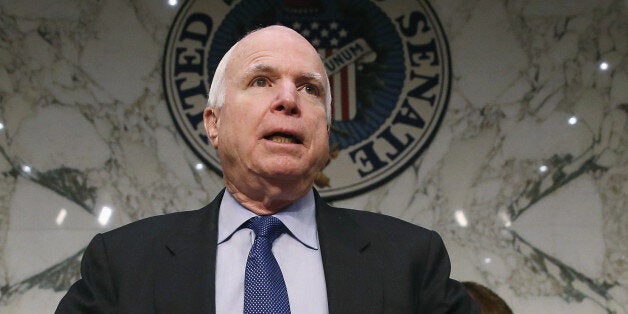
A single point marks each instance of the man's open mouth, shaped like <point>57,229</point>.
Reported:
<point>283,138</point>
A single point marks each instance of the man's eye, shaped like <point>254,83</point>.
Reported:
<point>260,82</point>
<point>311,89</point>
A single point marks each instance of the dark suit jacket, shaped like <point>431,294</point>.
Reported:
<point>166,264</point>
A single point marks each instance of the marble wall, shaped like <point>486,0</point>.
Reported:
<point>526,180</point>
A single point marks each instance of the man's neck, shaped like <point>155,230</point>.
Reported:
<point>266,201</point>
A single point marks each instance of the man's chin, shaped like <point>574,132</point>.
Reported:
<point>289,170</point>
<point>291,175</point>
<point>287,175</point>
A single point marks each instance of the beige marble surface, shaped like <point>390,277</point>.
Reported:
<point>526,180</point>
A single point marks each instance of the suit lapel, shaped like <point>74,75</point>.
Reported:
<point>353,269</point>
<point>186,277</point>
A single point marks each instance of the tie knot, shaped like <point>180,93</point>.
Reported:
<point>266,226</point>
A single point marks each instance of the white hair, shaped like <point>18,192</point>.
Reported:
<point>216,96</point>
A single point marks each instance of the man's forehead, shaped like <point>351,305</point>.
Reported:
<point>275,41</point>
<point>274,32</point>
<point>261,68</point>
<point>271,49</point>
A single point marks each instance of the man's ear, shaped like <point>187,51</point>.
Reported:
<point>211,121</point>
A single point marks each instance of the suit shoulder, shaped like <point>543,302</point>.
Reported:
<point>398,242</point>
<point>386,225</point>
<point>152,227</point>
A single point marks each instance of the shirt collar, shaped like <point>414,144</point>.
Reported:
<point>299,218</point>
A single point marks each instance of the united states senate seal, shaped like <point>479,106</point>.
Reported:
<point>388,63</point>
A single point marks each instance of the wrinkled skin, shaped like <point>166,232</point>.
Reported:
<point>271,133</point>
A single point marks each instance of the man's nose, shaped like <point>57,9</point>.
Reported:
<point>287,99</point>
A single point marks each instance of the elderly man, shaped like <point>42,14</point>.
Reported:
<point>268,244</point>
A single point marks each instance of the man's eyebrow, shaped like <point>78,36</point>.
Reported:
<point>265,68</point>
<point>259,68</point>
<point>313,76</point>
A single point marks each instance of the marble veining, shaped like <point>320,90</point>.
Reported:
<point>526,180</point>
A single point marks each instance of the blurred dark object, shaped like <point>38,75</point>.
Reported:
<point>489,301</point>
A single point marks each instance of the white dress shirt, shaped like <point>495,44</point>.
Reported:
<point>298,255</point>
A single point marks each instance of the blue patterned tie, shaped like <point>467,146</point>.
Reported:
<point>264,288</point>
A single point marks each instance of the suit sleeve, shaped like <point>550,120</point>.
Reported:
<point>94,292</point>
<point>439,293</point>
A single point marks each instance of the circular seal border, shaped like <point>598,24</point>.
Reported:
<point>398,165</point>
